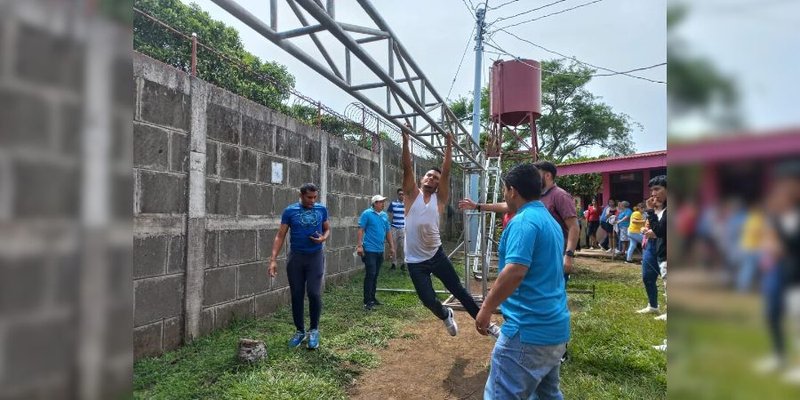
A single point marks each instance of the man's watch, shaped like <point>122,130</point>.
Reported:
<point>569,253</point>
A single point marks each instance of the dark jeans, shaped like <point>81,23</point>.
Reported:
<point>593,225</point>
<point>608,228</point>
<point>772,290</point>
<point>650,273</point>
<point>439,265</point>
<point>372,267</point>
<point>305,273</point>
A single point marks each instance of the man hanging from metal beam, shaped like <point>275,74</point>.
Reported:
<point>424,255</point>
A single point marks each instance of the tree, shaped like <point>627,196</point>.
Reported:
<point>583,185</point>
<point>573,119</point>
<point>267,83</point>
<point>695,84</point>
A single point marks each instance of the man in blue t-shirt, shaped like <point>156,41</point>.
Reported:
<point>373,231</point>
<point>530,292</point>
<point>305,268</point>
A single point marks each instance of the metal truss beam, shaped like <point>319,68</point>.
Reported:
<point>406,94</point>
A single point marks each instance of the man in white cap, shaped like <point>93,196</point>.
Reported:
<point>373,231</point>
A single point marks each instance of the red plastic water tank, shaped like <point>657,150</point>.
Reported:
<point>516,91</point>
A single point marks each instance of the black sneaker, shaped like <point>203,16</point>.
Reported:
<point>403,267</point>
<point>565,357</point>
<point>369,307</point>
<point>392,267</point>
<point>377,303</point>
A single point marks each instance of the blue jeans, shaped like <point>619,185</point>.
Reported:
<point>372,267</point>
<point>772,290</point>
<point>305,273</point>
<point>524,371</point>
<point>635,238</point>
<point>747,270</point>
<point>650,273</point>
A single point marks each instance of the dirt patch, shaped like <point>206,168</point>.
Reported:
<point>427,363</point>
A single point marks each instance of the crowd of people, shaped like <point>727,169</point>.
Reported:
<point>536,251</point>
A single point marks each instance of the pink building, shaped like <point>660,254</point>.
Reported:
<point>624,177</point>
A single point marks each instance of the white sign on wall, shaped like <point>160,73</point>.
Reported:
<point>277,172</point>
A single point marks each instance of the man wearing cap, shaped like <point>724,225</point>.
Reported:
<point>373,231</point>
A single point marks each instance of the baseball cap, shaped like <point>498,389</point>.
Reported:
<point>377,198</point>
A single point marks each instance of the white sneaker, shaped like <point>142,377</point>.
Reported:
<point>792,376</point>
<point>662,317</point>
<point>661,347</point>
<point>648,310</point>
<point>768,365</point>
<point>494,331</point>
<point>450,323</point>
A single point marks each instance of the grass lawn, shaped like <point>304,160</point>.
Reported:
<point>610,349</point>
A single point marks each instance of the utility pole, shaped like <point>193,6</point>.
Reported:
<point>476,125</point>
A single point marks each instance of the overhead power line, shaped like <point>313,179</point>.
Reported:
<point>615,72</point>
<point>502,5</point>
<point>529,11</point>
<point>553,13</point>
<point>466,48</point>
<point>503,51</point>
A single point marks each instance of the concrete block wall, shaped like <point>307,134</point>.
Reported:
<point>213,173</point>
<point>65,159</point>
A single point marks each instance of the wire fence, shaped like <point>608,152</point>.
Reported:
<point>358,124</point>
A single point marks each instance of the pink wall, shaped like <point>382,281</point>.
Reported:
<point>606,187</point>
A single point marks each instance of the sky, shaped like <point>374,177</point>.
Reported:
<point>616,34</point>
<point>757,44</point>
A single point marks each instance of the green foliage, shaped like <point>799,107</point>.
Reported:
<point>573,119</point>
<point>695,84</point>
<point>583,185</point>
<point>267,83</point>
<point>610,346</point>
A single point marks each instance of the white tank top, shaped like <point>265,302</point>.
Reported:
<point>422,238</point>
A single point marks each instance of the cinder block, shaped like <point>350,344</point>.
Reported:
<point>180,152</point>
<point>163,106</point>
<point>222,124</point>
<point>212,247</point>
<point>265,239</point>
<point>219,285</point>
<point>206,321</point>
<point>253,279</point>
<point>157,298</point>
<point>149,256</point>
<point>45,190</point>
<point>239,310</point>
<point>211,159</point>
<point>333,158</point>
<point>333,205</point>
<point>311,151</point>
<point>281,145</point>
<point>150,146</point>
<point>257,134</point>
<point>173,333</point>
<point>222,197</point>
<point>348,162</point>
<point>177,254</point>
<point>248,168</point>
<point>364,167</point>
<point>237,247</point>
<point>281,280</point>
<point>147,340</point>
<point>270,302</point>
<point>39,47</point>
<point>229,162</point>
<point>162,193</point>
<point>21,289</point>
<point>256,200</point>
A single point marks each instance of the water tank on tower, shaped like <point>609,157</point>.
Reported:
<point>516,92</point>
